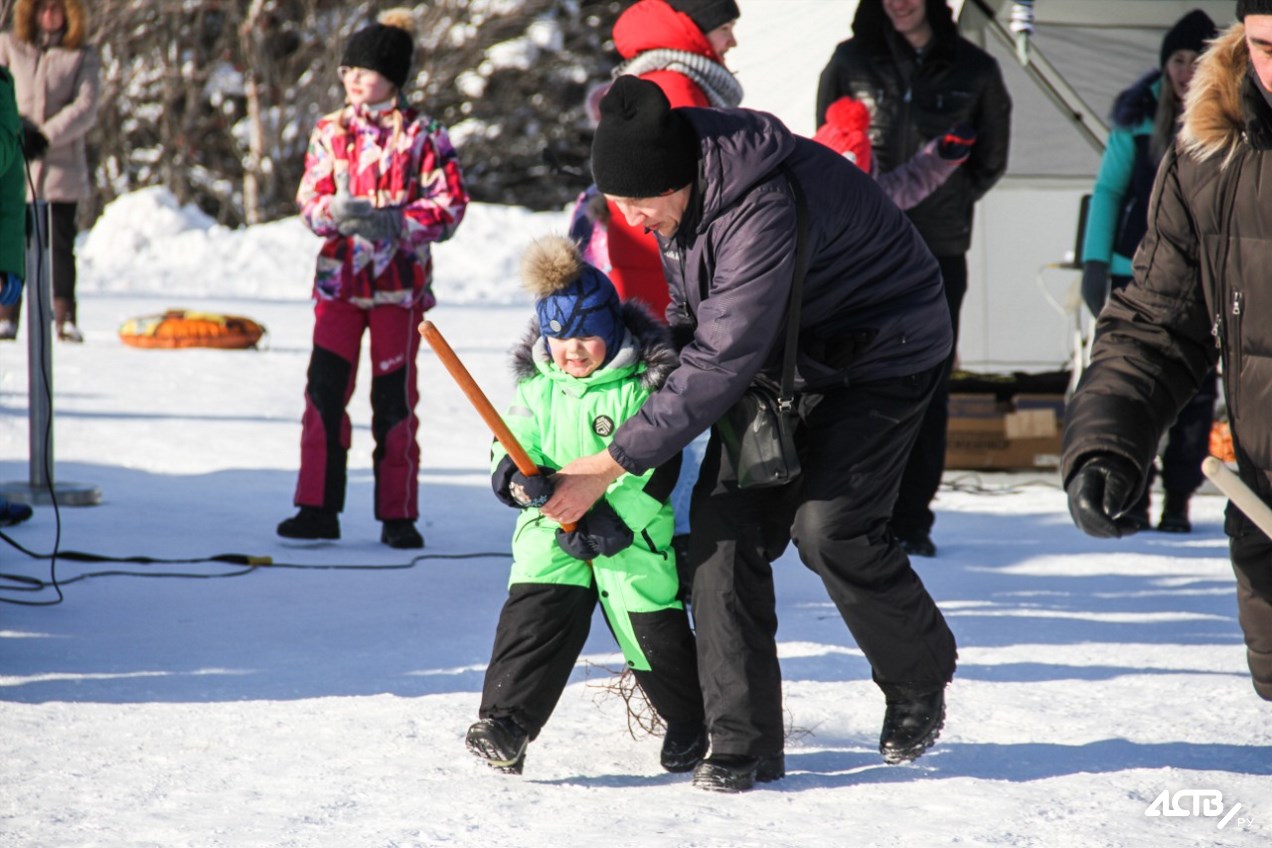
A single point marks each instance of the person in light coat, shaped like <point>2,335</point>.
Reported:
<point>57,76</point>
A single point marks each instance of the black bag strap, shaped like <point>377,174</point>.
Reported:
<point>786,394</point>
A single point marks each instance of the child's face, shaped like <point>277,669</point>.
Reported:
<point>577,357</point>
<point>363,86</point>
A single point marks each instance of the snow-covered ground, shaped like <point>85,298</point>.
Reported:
<point>322,700</point>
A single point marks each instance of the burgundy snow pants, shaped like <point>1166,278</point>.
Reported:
<point>326,429</point>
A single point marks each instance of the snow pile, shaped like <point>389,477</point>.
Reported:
<point>146,242</point>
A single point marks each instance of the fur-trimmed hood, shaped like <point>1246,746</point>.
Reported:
<point>1138,102</point>
<point>646,341</point>
<point>27,29</point>
<point>1216,116</point>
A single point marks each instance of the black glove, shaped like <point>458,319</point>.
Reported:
<point>1100,492</point>
<point>1095,284</point>
<point>516,489</point>
<point>957,143</point>
<point>34,142</point>
<point>599,533</point>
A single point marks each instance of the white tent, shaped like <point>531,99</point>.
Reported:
<point>1021,305</point>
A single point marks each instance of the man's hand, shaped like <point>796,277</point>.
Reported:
<point>579,485</point>
<point>1100,492</point>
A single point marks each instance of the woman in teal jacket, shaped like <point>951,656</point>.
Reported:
<point>1145,120</point>
<point>586,365</point>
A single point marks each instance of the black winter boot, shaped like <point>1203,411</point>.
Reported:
<point>726,773</point>
<point>919,544</point>
<point>735,773</point>
<point>911,723</point>
<point>500,742</point>
<point>311,523</point>
<point>1175,513</point>
<point>684,746</point>
<point>401,533</point>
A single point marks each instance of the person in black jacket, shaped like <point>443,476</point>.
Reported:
<point>919,77</point>
<point>718,187</point>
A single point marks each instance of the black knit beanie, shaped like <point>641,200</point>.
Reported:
<point>384,48</point>
<point>1191,32</point>
<point>642,147</point>
<point>707,14</point>
<point>1253,7</point>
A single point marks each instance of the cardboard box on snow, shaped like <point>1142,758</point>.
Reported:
<point>985,433</point>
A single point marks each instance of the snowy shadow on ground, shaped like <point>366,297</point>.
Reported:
<point>351,617</point>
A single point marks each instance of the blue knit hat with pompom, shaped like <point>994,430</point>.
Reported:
<point>573,299</point>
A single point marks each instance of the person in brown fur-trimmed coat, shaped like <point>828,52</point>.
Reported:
<point>57,78</point>
<point>1200,292</point>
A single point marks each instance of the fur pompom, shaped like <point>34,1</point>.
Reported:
<point>549,265</point>
<point>400,17</point>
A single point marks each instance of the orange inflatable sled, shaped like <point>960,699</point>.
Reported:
<point>178,328</point>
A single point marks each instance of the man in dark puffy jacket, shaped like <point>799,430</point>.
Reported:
<point>1201,290</point>
<point>718,188</point>
<point>919,77</point>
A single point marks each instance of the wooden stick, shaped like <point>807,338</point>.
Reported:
<point>1239,493</point>
<point>480,402</point>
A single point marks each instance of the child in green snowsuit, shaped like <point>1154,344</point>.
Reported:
<point>586,365</point>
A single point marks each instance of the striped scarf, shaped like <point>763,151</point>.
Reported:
<point>721,87</point>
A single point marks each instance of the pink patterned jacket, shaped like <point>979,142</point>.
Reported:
<point>398,158</point>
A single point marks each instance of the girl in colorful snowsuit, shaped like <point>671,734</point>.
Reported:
<point>382,183</point>
<point>586,365</point>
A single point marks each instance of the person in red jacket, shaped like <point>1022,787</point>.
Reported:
<point>678,45</point>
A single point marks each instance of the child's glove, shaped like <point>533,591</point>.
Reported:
<point>34,142</point>
<point>599,533</point>
<point>378,225</point>
<point>516,489</point>
<point>346,207</point>
<point>10,288</point>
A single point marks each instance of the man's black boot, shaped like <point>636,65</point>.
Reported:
<point>911,723</point>
<point>726,773</point>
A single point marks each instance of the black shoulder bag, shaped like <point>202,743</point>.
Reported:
<point>758,431</point>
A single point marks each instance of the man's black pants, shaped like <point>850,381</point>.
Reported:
<point>913,516</point>
<point>853,444</point>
